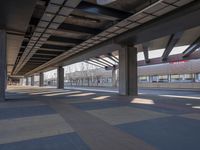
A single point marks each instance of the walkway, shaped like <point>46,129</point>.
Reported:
<point>52,119</point>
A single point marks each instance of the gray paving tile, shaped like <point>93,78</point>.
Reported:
<point>120,115</point>
<point>96,133</point>
<point>69,141</point>
<point>12,130</point>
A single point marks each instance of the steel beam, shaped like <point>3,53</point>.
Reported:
<point>106,61</point>
<point>194,46</point>
<point>171,59</point>
<point>43,54</point>
<point>34,63</point>
<point>77,28</point>
<point>93,63</point>
<point>98,62</point>
<point>37,60</point>
<point>65,40</point>
<point>41,58</point>
<point>174,38</point>
<point>50,50</point>
<point>102,61</point>
<point>110,56</point>
<point>48,46</point>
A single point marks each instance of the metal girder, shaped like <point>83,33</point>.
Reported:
<point>174,38</point>
<point>146,53</point>
<point>50,50</point>
<point>107,13</point>
<point>99,63</point>
<point>65,40</point>
<point>102,61</point>
<point>110,56</point>
<point>117,59</point>
<point>194,46</point>
<point>92,63</point>
<point>36,60</point>
<point>42,57</point>
<point>55,47</point>
<point>77,28</point>
<point>43,54</point>
<point>98,50</point>
<point>34,63</point>
<point>172,58</point>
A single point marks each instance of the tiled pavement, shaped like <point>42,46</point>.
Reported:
<point>52,119</point>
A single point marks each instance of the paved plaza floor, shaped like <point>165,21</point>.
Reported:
<point>35,118</point>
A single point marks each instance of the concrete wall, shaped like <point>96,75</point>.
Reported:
<point>185,67</point>
<point>170,85</point>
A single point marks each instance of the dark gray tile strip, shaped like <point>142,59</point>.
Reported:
<point>19,112</point>
<point>69,141</point>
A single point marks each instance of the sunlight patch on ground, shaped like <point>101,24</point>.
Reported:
<point>178,96</point>
<point>82,94</point>
<point>196,107</point>
<point>100,97</point>
<point>142,101</point>
<point>46,92</point>
<point>62,93</point>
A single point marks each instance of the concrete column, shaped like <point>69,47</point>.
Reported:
<point>169,78</point>
<point>60,77</point>
<point>128,71</point>
<point>196,77</point>
<point>41,79</point>
<point>114,77</point>
<point>26,81</point>
<point>150,78</point>
<point>32,80</point>
<point>3,68</point>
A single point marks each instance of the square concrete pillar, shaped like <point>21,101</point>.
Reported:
<point>169,78</point>
<point>26,81</point>
<point>32,80</point>
<point>60,77</point>
<point>41,79</point>
<point>3,68</point>
<point>114,77</point>
<point>128,71</point>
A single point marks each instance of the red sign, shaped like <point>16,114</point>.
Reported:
<point>179,62</point>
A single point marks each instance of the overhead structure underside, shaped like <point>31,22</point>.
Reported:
<point>53,31</point>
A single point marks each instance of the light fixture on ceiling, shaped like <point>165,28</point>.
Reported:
<point>104,2</point>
